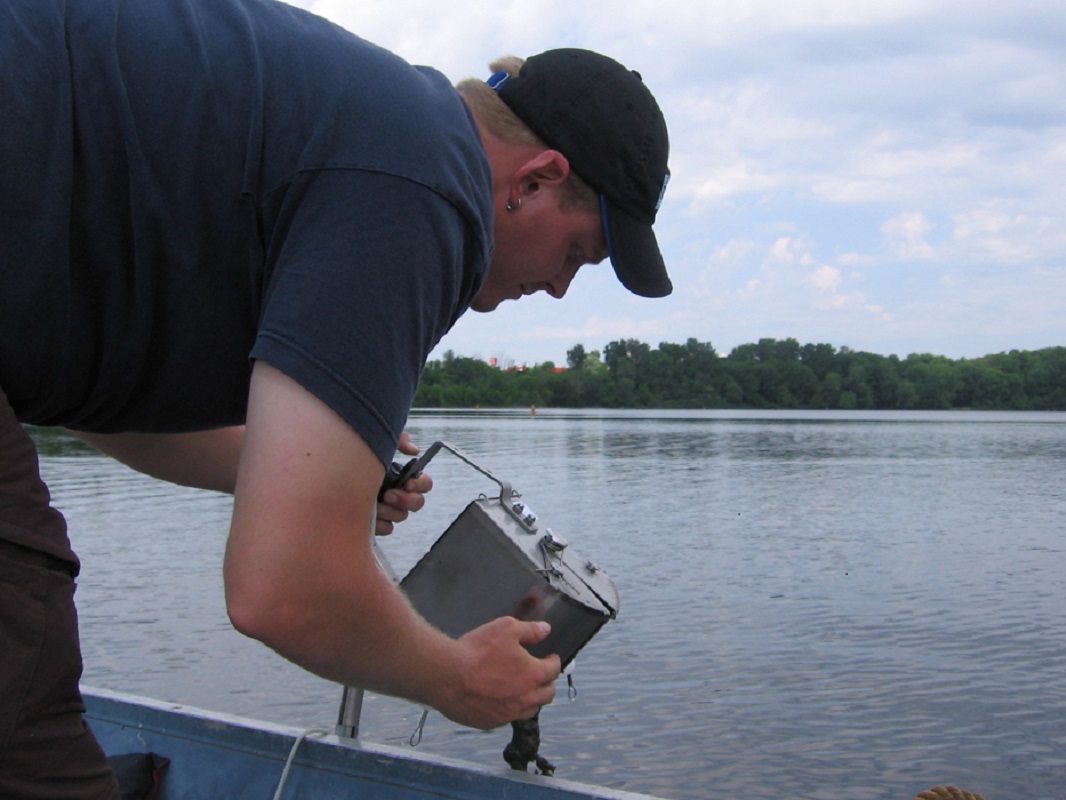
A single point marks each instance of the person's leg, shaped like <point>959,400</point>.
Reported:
<point>46,749</point>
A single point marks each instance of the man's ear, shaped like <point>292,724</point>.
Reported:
<point>547,168</point>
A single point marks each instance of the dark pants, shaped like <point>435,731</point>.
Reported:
<point>46,749</point>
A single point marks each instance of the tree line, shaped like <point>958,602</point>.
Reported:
<point>772,373</point>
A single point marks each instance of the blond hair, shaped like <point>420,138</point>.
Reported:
<point>504,124</point>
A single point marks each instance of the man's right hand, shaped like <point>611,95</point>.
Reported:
<point>500,681</point>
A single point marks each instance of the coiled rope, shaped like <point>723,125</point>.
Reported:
<point>947,793</point>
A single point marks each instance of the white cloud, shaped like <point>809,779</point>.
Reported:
<point>826,278</point>
<point>906,235</point>
<point>994,234</point>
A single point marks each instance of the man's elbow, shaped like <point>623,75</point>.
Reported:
<point>263,613</point>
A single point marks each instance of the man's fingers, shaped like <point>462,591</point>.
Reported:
<point>545,694</point>
<point>410,496</point>
<point>405,445</point>
<point>396,504</point>
<point>533,632</point>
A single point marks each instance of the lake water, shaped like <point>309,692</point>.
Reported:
<point>814,605</point>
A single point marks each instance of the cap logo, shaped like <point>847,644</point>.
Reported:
<point>497,80</point>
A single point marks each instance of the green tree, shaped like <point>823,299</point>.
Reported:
<point>575,356</point>
<point>821,359</point>
<point>769,373</point>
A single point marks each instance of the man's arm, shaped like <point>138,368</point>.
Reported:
<point>208,460</point>
<point>203,459</point>
<point>301,576</point>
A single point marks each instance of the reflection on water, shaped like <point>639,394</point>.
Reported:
<point>813,606</point>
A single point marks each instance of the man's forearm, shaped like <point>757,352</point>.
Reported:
<point>202,459</point>
<point>336,614</point>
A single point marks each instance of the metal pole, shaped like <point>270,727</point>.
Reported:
<point>350,711</point>
<point>351,708</point>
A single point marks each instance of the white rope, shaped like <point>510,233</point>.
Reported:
<point>292,756</point>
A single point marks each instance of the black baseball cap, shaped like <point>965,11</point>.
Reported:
<point>603,118</point>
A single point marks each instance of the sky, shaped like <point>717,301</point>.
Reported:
<point>885,175</point>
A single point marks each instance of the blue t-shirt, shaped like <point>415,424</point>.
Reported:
<point>186,185</point>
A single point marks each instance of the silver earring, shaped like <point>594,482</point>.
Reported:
<point>514,207</point>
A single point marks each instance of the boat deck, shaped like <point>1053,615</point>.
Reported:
<point>222,756</point>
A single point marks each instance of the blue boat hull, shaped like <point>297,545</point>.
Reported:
<point>221,756</point>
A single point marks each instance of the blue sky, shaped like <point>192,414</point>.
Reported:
<point>889,175</point>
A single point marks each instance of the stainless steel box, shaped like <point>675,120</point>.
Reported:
<point>497,560</point>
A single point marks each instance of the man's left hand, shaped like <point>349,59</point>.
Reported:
<point>397,503</point>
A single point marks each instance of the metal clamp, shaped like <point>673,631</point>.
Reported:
<point>397,475</point>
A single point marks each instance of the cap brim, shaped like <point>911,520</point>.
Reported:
<point>635,254</point>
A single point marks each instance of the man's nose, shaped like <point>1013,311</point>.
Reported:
<point>558,286</point>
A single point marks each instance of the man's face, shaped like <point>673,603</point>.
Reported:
<point>540,246</point>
